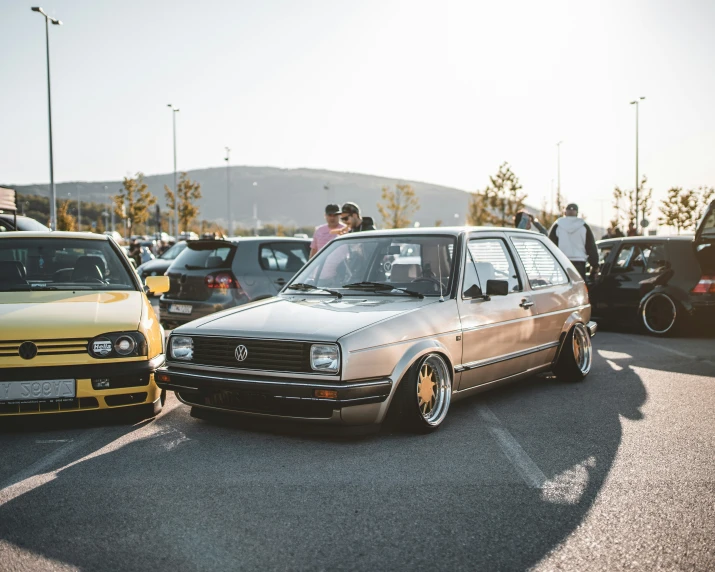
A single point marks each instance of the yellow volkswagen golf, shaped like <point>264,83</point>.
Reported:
<point>77,332</point>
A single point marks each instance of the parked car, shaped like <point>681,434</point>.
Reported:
<point>78,332</point>
<point>347,340</point>
<point>161,263</point>
<point>212,275</point>
<point>661,284</point>
<point>25,223</point>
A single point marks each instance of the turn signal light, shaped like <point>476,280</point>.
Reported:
<point>162,377</point>
<point>325,393</point>
<point>705,286</point>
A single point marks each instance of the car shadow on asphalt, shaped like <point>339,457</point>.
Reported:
<point>191,495</point>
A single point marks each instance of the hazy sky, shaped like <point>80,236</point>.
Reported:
<point>441,92</point>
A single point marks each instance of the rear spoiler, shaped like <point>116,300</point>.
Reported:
<point>8,202</point>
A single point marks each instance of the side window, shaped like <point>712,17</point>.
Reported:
<point>488,259</point>
<point>657,259</point>
<point>542,268</point>
<point>283,256</point>
<point>630,259</point>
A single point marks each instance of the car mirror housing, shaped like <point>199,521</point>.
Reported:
<point>497,287</point>
<point>157,284</point>
<point>474,291</point>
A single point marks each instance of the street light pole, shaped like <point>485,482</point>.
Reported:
<point>174,111</point>
<point>228,190</point>
<point>558,177</point>
<point>636,102</point>
<point>53,190</point>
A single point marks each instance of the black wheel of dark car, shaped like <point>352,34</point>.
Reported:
<point>425,394</point>
<point>162,398</point>
<point>576,355</point>
<point>659,314</point>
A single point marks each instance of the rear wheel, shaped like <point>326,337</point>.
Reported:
<point>576,356</point>
<point>425,394</point>
<point>659,314</point>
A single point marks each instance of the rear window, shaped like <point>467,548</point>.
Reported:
<point>283,256</point>
<point>210,254</point>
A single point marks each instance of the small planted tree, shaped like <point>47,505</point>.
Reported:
<point>134,200</point>
<point>188,192</point>
<point>398,206</point>
<point>65,221</point>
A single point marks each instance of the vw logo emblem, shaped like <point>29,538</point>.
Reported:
<point>241,353</point>
<point>28,350</point>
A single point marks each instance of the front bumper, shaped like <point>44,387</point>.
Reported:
<point>130,384</point>
<point>356,403</point>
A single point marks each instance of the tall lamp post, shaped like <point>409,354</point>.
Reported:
<point>53,191</point>
<point>228,190</point>
<point>636,103</point>
<point>558,177</point>
<point>174,111</point>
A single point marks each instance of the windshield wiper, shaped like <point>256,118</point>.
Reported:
<point>308,287</point>
<point>377,286</point>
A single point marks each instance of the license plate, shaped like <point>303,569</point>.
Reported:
<point>36,391</point>
<point>180,308</point>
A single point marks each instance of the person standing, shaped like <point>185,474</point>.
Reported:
<point>575,239</point>
<point>324,233</point>
<point>350,215</point>
<point>527,221</point>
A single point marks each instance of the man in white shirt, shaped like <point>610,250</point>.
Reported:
<point>575,239</point>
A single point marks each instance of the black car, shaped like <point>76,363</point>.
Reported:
<point>161,263</point>
<point>662,284</point>
<point>213,275</point>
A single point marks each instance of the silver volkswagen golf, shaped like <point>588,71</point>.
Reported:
<point>404,321</point>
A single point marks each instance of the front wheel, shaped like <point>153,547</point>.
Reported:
<point>576,356</point>
<point>425,394</point>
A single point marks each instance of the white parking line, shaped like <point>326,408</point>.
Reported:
<point>667,349</point>
<point>527,469</point>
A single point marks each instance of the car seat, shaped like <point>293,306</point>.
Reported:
<point>88,268</point>
<point>405,272</point>
<point>12,273</point>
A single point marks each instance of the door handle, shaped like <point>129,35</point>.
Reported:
<point>526,303</point>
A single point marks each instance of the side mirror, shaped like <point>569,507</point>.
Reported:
<point>473,291</point>
<point>157,284</point>
<point>497,287</point>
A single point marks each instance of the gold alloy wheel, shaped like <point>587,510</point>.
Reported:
<point>434,389</point>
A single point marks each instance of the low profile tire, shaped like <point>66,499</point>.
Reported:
<point>659,315</point>
<point>425,393</point>
<point>576,355</point>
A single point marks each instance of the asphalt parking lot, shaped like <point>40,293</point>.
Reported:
<point>615,473</point>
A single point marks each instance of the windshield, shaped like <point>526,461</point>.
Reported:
<point>422,264</point>
<point>61,264</point>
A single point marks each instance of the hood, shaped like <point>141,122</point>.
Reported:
<point>706,227</point>
<point>51,314</point>
<point>314,318</point>
<point>570,224</point>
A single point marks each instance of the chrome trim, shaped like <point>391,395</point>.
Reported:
<point>268,373</point>
<point>505,357</point>
<point>475,389</point>
<point>524,318</point>
<point>282,383</point>
<point>645,308</point>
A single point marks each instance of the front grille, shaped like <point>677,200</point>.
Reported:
<point>46,406</point>
<point>260,402</point>
<point>46,347</point>
<point>265,355</point>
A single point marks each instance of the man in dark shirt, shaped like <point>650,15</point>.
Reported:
<point>350,215</point>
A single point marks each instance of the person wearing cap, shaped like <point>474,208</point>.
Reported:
<point>575,239</point>
<point>326,232</point>
<point>350,215</point>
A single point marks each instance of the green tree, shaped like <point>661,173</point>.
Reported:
<point>188,192</point>
<point>504,195</point>
<point>399,206</point>
<point>170,212</point>
<point>705,196</point>
<point>478,213</point>
<point>134,201</point>
<point>624,205</point>
<point>682,209</point>
<point>65,221</point>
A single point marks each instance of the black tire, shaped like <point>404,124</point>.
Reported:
<point>417,414</point>
<point>576,355</point>
<point>659,315</point>
<point>144,411</point>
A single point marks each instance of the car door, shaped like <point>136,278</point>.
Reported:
<point>551,291</point>
<point>281,260</point>
<point>496,330</point>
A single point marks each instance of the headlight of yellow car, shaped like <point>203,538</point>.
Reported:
<point>118,344</point>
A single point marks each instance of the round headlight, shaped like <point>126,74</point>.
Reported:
<point>124,345</point>
<point>182,348</point>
